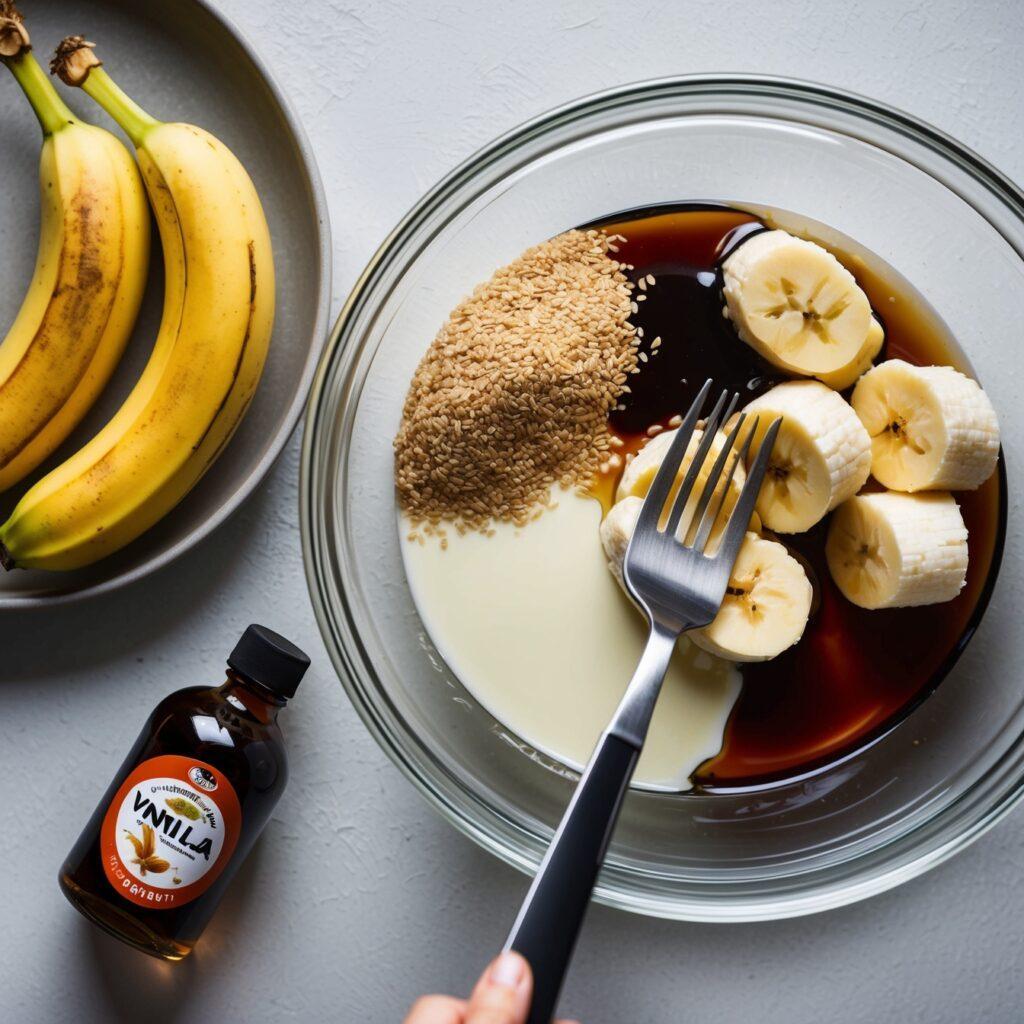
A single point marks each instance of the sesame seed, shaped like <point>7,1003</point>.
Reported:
<point>513,394</point>
<point>654,430</point>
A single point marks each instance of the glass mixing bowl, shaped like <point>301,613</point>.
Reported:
<point>937,213</point>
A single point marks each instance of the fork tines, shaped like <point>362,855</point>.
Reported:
<point>707,511</point>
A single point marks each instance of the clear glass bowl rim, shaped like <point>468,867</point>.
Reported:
<point>910,854</point>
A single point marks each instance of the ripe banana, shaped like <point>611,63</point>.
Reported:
<point>796,304</point>
<point>205,364</point>
<point>931,427</point>
<point>638,476</point>
<point>767,602</point>
<point>892,550</point>
<point>89,279</point>
<point>822,455</point>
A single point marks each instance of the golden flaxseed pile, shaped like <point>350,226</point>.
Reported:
<point>514,393</point>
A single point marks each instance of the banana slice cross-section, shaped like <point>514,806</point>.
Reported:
<point>931,427</point>
<point>796,304</point>
<point>767,602</point>
<point>822,455</point>
<point>893,550</point>
<point>766,606</point>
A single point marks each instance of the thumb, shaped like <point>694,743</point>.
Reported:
<point>502,995</point>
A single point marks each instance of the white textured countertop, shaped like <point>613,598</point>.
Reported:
<point>359,897</point>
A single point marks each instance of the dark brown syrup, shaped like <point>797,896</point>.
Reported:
<point>856,673</point>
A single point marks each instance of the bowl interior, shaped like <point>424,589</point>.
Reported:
<point>855,828</point>
<point>180,62</point>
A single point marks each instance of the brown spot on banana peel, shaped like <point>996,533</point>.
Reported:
<point>106,463</point>
<point>66,331</point>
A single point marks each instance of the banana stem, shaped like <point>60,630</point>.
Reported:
<point>121,107</point>
<point>52,111</point>
<point>6,562</point>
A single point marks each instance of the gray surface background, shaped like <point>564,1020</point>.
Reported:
<point>359,897</point>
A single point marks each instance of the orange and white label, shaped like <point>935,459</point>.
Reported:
<point>169,831</point>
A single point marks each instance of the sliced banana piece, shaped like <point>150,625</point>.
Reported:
<point>822,455</point>
<point>893,550</point>
<point>638,476</point>
<point>796,304</point>
<point>840,380</point>
<point>766,606</point>
<point>931,427</point>
<point>767,602</point>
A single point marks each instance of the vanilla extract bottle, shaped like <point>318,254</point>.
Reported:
<point>188,803</point>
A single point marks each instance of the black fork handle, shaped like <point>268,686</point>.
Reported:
<point>552,915</point>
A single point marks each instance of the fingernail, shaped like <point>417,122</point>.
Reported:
<point>507,970</point>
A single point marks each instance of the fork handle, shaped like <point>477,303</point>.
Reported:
<point>551,915</point>
<point>545,932</point>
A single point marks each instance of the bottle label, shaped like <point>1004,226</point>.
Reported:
<point>169,831</point>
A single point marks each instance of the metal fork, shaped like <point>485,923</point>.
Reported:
<point>679,584</point>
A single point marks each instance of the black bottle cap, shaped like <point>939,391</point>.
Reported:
<point>267,658</point>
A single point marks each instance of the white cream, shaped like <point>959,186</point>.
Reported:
<point>533,624</point>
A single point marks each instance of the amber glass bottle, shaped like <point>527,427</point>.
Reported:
<point>188,803</point>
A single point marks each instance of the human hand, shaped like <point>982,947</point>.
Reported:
<point>501,996</point>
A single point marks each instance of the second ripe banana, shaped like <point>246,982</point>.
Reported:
<point>89,278</point>
<point>207,359</point>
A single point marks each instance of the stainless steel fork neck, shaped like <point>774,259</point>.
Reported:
<point>633,715</point>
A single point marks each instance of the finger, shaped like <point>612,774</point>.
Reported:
<point>502,995</point>
<point>437,1010</point>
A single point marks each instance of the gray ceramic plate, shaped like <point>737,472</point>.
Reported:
<point>182,62</point>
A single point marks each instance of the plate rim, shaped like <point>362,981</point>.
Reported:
<point>294,412</point>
